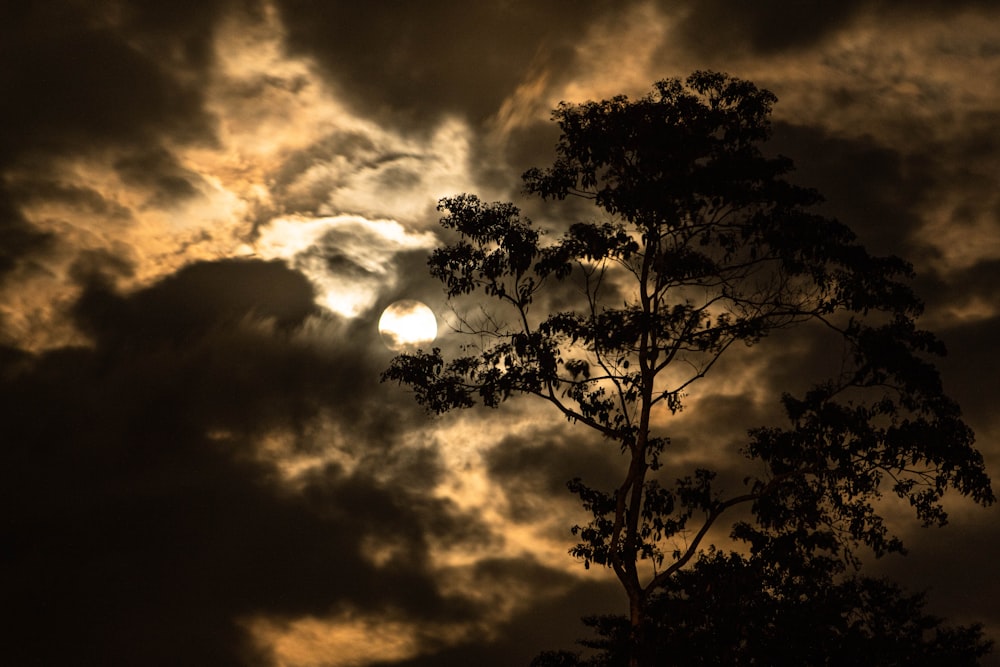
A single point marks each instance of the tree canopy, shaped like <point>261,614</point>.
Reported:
<point>701,242</point>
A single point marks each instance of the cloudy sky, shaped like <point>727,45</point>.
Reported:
<point>204,208</point>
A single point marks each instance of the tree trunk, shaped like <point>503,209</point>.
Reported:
<point>638,646</point>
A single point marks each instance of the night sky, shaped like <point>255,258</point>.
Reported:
<point>204,208</point>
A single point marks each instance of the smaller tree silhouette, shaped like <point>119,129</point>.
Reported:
<point>702,244</point>
<point>729,609</point>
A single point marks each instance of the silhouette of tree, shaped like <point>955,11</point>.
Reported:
<point>702,244</point>
<point>734,610</point>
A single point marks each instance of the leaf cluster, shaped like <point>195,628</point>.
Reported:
<point>831,465</point>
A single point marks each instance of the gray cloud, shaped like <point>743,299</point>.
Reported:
<point>136,510</point>
<point>722,27</point>
<point>158,172</point>
<point>527,634</point>
<point>17,236</point>
<point>77,78</point>
<point>79,84</point>
<point>414,62</point>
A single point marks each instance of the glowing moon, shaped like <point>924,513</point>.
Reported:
<point>407,325</point>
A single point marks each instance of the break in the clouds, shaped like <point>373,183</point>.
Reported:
<point>351,260</point>
<point>204,208</point>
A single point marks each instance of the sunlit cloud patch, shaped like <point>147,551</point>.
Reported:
<point>348,258</point>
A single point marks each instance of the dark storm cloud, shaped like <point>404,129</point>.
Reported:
<point>69,82</point>
<point>529,145</point>
<point>958,288</point>
<point>215,316</point>
<point>972,372</point>
<point>99,267</point>
<point>724,27</point>
<point>182,30</point>
<point>420,60</point>
<point>158,172</point>
<point>17,236</point>
<point>884,195</point>
<point>397,178</point>
<point>552,622</point>
<point>140,526</point>
<point>186,306</point>
<point>961,594</point>
<point>772,25</point>
<point>77,197</point>
<point>875,190</point>
<point>81,77</point>
<point>535,467</point>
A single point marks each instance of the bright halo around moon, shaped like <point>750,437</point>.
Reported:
<point>407,325</point>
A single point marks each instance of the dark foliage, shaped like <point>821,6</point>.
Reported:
<point>732,610</point>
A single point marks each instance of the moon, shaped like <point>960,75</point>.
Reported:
<point>407,325</point>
